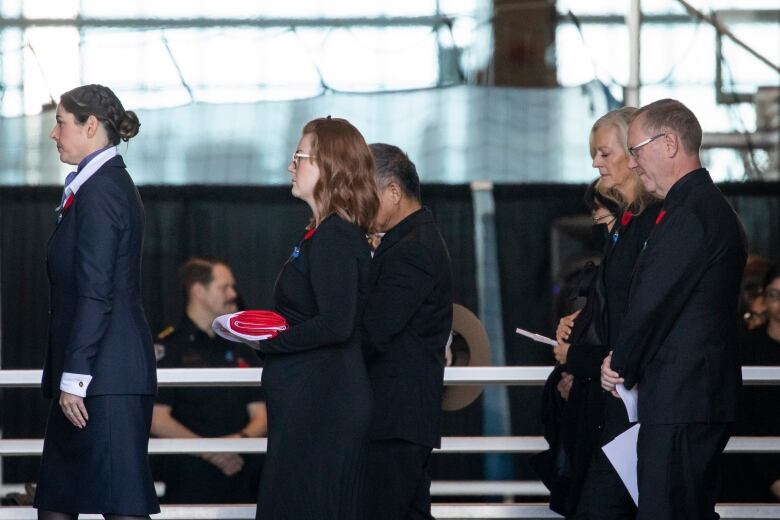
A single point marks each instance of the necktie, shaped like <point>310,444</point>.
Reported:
<point>68,179</point>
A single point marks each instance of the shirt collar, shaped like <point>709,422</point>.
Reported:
<point>685,184</point>
<point>91,156</point>
<point>89,166</point>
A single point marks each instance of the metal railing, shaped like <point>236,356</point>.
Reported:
<point>513,376</point>
<point>527,376</point>
<point>439,511</point>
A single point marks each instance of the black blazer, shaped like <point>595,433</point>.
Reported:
<point>96,321</point>
<point>679,338</point>
<point>407,322</point>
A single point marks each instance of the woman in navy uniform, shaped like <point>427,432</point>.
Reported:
<point>317,390</point>
<point>100,366</point>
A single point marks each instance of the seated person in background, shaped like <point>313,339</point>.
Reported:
<point>752,307</point>
<point>755,477</point>
<point>191,412</point>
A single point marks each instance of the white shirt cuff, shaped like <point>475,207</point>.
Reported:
<point>75,384</point>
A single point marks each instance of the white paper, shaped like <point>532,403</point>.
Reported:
<point>537,337</point>
<point>621,453</point>
<point>630,399</point>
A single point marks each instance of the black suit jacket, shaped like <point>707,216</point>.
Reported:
<point>679,337</point>
<point>407,322</point>
<point>96,320</point>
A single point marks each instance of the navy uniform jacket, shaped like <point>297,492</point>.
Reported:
<point>679,338</point>
<point>96,321</point>
<point>407,322</point>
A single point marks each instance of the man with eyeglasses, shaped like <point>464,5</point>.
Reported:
<point>678,342</point>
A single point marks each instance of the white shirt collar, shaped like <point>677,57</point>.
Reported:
<point>90,169</point>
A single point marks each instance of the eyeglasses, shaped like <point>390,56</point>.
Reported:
<point>299,155</point>
<point>772,294</point>
<point>632,150</point>
<point>604,219</point>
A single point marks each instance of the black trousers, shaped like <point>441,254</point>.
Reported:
<point>677,470</point>
<point>399,480</point>
<point>604,496</point>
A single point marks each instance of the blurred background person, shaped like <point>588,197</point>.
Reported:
<point>315,380</point>
<point>95,452</point>
<point>752,306</point>
<point>755,477</point>
<point>209,290</point>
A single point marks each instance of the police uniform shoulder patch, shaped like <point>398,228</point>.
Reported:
<point>167,331</point>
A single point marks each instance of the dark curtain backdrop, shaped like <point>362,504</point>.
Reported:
<point>253,228</point>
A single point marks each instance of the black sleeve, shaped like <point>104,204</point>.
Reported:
<point>405,280</point>
<point>584,360</point>
<point>667,273</point>
<point>334,277</point>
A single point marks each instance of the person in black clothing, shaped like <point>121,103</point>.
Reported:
<point>407,321</point>
<point>315,380</point>
<point>191,412</point>
<point>595,490</point>
<point>679,338</point>
<point>564,400</point>
<point>755,477</point>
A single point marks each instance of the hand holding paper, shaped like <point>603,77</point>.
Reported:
<point>536,337</point>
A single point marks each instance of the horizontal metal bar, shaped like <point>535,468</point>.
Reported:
<point>741,140</point>
<point>499,444</point>
<point>526,375</point>
<point>207,23</point>
<point>763,16</point>
<point>440,511</point>
<point>525,488</point>
<point>477,488</point>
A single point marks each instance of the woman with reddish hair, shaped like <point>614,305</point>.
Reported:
<point>317,390</point>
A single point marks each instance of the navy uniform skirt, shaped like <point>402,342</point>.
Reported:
<point>104,467</point>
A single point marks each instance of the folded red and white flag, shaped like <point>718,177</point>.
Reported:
<point>249,326</point>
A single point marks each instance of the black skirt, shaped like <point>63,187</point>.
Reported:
<point>104,467</point>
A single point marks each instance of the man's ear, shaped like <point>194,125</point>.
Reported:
<point>671,144</point>
<point>395,192</point>
<point>197,290</point>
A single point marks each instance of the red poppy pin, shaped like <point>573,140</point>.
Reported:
<point>626,218</point>
<point>68,202</point>
<point>660,217</point>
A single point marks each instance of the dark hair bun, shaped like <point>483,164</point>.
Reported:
<point>128,125</point>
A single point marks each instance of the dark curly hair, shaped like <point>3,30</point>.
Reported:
<point>101,102</point>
